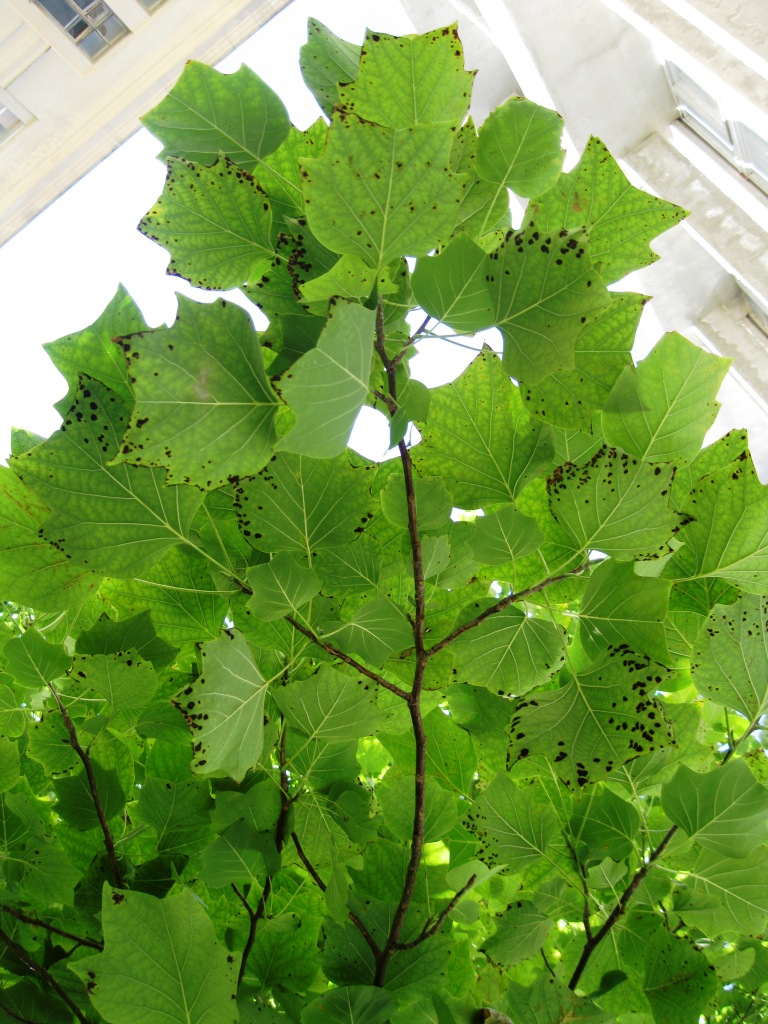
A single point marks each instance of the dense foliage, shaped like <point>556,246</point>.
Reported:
<point>285,737</point>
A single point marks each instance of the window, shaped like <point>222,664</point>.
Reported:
<point>756,312</point>
<point>699,109</point>
<point>8,122</point>
<point>92,25</point>
<point>741,144</point>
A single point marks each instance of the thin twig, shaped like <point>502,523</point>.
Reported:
<point>109,842</point>
<point>43,974</point>
<point>433,928</point>
<point>414,697</point>
<point>281,829</point>
<point>36,922</point>
<point>547,964</point>
<point>584,887</point>
<point>410,343</point>
<point>505,602</point>
<point>336,653</point>
<point>323,888</point>
<point>593,942</point>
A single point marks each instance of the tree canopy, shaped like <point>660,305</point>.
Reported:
<point>471,733</point>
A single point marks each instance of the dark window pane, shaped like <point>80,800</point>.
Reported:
<point>59,10</point>
<point>93,44</point>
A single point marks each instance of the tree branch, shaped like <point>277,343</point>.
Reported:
<point>621,906</point>
<point>414,697</point>
<point>505,602</point>
<point>323,888</point>
<point>584,887</point>
<point>16,1016</point>
<point>432,929</point>
<point>37,923</point>
<point>330,649</point>
<point>109,842</point>
<point>43,974</point>
<point>281,829</point>
<point>410,343</point>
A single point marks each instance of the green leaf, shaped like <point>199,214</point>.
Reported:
<point>678,979</point>
<point>723,810</point>
<point>509,652</point>
<point>505,535</point>
<point>207,113</point>
<point>433,502</point>
<point>161,962</point>
<point>519,935</point>
<point>348,278</point>
<point>569,398</point>
<point>350,568</point>
<point>301,504</point>
<point>480,437</point>
<point>619,607</point>
<point>179,813</point>
<point>280,173</point>
<point>604,825</point>
<point>331,706</point>
<point>327,386</point>
<point>614,504</point>
<point>75,802</point>
<point>728,535</point>
<point>226,708</point>
<point>452,286</point>
<point>601,718</point>
<point>281,586</point>
<point>238,855</point>
<point>519,147</point>
<point>33,571</point>
<point>93,350</point>
<point>548,1001</point>
<point>179,593</point>
<point>515,827</point>
<point>396,799</point>
<point>215,222</point>
<point>326,61</point>
<point>115,519</point>
<point>399,199</point>
<point>126,684</point>
<point>661,410</point>
<point>620,219</point>
<point>33,661</point>
<point>377,631</point>
<point>405,81</point>
<point>544,289</point>
<point>134,634</point>
<point>351,1004</point>
<point>729,894</point>
<point>729,662</point>
<point>205,410</point>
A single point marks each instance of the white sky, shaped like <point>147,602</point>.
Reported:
<point>60,271</point>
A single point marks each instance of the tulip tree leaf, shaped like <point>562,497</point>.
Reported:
<point>677,976</point>
<point>519,147</point>
<point>297,503</point>
<point>603,717</point>
<point>480,437</point>
<point>161,962</point>
<point>204,407</point>
<point>400,198</point>
<point>729,893</point>
<point>207,113</point>
<point>93,350</point>
<point>509,652</point>
<point>453,286</point>
<point>621,607</point>
<point>216,222</point>
<point>662,409</point>
<point>615,504</point>
<point>328,385</point>
<point>225,707</point>
<point>728,535</point>
<point>621,219</point>
<point>331,706</point>
<point>729,662</point>
<point>405,81</point>
<point>281,586</point>
<point>327,61</point>
<point>723,810</point>
<point>114,519</point>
